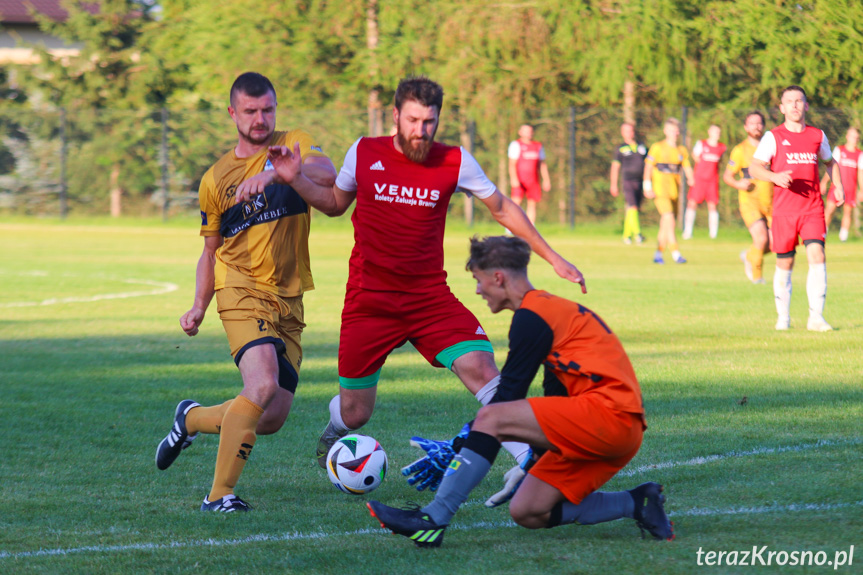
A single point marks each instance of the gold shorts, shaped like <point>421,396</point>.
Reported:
<point>665,205</point>
<point>754,207</point>
<point>254,317</point>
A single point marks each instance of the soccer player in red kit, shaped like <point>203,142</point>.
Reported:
<point>707,154</point>
<point>396,290</point>
<point>526,166</point>
<point>850,160</point>
<point>788,156</point>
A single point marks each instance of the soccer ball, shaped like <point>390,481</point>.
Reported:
<point>356,464</point>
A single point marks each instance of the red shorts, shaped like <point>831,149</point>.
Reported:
<point>850,199</point>
<point>707,191</point>
<point>594,442</point>
<point>374,323</point>
<point>786,230</point>
<point>531,191</point>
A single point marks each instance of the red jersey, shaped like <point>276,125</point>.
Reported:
<point>800,153</point>
<point>530,155</point>
<point>707,168</point>
<point>849,163</point>
<point>401,209</point>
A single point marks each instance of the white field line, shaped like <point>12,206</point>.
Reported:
<point>296,536</point>
<point>160,288</point>
<point>718,457</point>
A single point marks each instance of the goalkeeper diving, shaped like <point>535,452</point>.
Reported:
<point>585,429</point>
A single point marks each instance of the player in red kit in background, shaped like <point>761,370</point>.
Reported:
<point>397,290</point>
<point>851,169</point>
<point>788,156</point>
<point>707,154</point>
<point>526,166</point>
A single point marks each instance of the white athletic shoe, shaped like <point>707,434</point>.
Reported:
<point>783,323</point>
<point>818,324</point>
<point>747,267</point>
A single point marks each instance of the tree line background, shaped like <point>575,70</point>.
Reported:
<point>137,117</point>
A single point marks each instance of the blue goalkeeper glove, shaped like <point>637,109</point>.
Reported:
<point>427,472</point>
<point>512,481</point>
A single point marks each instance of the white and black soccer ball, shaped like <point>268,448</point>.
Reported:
<point>356,464</point>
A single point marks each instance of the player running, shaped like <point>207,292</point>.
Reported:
<point>588,426</point>
<point>707,155</point>
<point>755,197</point>
<point>851,169</point>
<point>256,261</point>
<point>665,161</point>
<point>396,290</point>
<point>788,157</point>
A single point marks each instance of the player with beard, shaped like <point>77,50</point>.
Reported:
<point>397,290</point>
<point>256,262</point>
<point>754,196</point>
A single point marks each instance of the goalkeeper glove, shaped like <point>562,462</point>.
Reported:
<point>427,472</point>
<point>512,481</point>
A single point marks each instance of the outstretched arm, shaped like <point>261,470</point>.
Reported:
<point>512,217</point>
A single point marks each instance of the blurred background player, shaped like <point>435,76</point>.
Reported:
<point>788,156</point>
<point>397,290</point>
<point>665,160</point>
<point>588,426</point>
<point>851,170</point>
<point>755,197</point>
<point>526,167</point>
<point>256,261</point>
<point>628,164</point>
<point>707,155</point>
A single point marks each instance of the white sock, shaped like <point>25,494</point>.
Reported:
<point>336,416</point>
<point>816,289</point>
<point>782,292</point>
<point>688,223</point>
<point>843,234</point>
<point>713,223</point>
<point>484,395</point>
<point>675,255</point>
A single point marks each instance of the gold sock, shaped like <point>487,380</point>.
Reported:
<point>235,445</point>
<point>756,258</point>
<point>206,419</point>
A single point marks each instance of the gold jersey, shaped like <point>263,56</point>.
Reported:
<point>266,240</point>
<point>739,162</point>
<point>668,161</point>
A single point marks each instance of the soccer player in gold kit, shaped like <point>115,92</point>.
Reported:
<point>256,262</point>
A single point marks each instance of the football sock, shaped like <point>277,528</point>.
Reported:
<point>465,472</point>
<point>675,255</point>
<point>336,416</point>
<point>688,223</point>
<point>206,419</point>
<point>484,396</point>
<point>843,234</point>
<point>598,507</point>
<point>627,225</point>
<point>672,247</point>
<point>755,257</point>
<point>782,292</point>
<point>634,225</point>
<point>235,445</point>
<point>816,289</point>
<point>713,223</point>
<point>487,392</point>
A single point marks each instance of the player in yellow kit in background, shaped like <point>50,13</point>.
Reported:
<point>256,262</point>
<point>755,197</point>
<point>665,160</point>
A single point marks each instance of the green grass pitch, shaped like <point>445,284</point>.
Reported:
<point>757,435</point>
